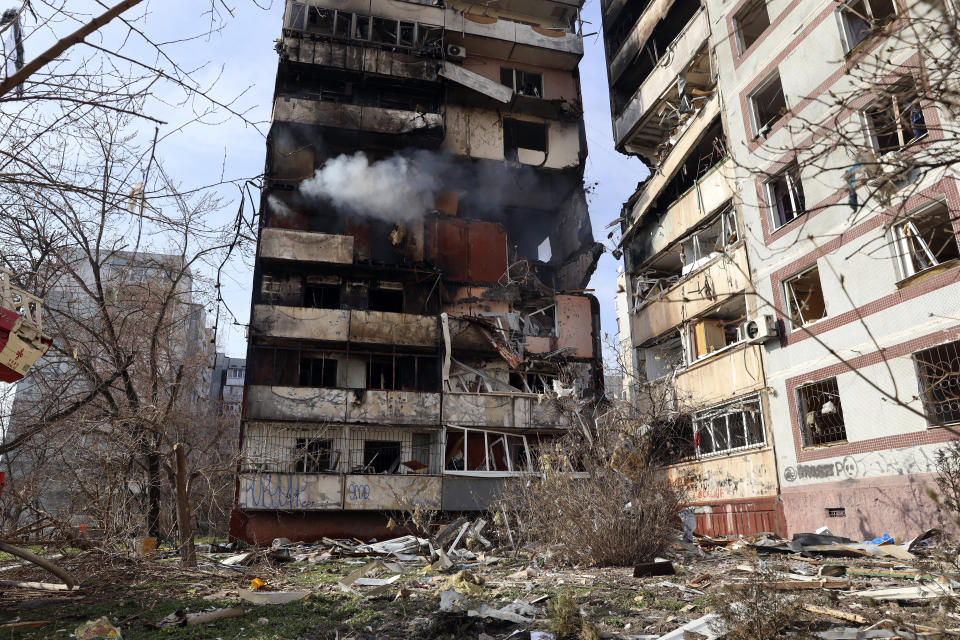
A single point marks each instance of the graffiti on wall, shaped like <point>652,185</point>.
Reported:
<point>283,491</point>
<point>876,463</point>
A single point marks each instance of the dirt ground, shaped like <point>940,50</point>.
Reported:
<point>135,594</point>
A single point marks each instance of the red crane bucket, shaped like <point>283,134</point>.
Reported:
<point>21,330</point>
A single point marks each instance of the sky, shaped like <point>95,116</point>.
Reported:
<point>242,61</point>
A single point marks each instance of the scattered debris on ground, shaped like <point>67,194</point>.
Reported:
<point>460,583</point>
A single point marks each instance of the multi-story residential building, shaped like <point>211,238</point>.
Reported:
<point>817,319</point>
<point>415,348</point>
<point>226,384</point>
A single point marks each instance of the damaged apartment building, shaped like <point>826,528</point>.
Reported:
<point>420,327</point>
<point>807,332</point>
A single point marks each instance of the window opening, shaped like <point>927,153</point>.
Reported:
<point>862,17</point>
<point>298,16</point>
<point>524,83</point>
<point>805,297</point>
<point>318,372</point>
<point>420,452</point>
<point>386,300</point>
<point>361,29</point>
<point>896,119</point>
<point>519,134</point>
<point>925,240</point>
<point>314,455</point>
<point>384,31</point>
<point>709,241</point>
<point>938,370</point>
<point>321,295</point>
<point>342,25</point>
<point>381,456</point>
<point>321,20</point>
<point>821,415</point>
<point>749,23</point>
<point>785,194</point>
<point>380,373</point>
<point>769,105</point>
<point>407,33</point>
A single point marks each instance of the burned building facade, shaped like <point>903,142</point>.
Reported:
<point>419,326</point>
<point>790,280</point>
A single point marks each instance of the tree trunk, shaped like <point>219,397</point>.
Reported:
<point>153,488</point>
<point>188,553</point>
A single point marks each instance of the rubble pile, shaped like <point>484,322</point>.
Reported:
<point>458,582</point>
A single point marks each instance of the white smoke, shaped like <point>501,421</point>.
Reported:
<point>395,188</point>
<point>280,208</point>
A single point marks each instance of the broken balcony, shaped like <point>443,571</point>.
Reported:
<point>701,138</point>
<point>342,405</point>
<point>503,411</point>
<point>732,373</point>
<point>304,246</point>
<point>709,192</point>
<point>503,39</point>
<point>344,325</point>
<point>649,107</point>
<point>712,283</point>
<point>357,117</point>
<point>310,492</point>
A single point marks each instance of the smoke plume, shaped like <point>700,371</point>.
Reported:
<point>400,187</point>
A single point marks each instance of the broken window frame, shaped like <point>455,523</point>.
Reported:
<point>728,228</point>
<point>750,6</point>
<point>706,421</point>
<point>490,439</point>
<point>913,251</point>
<point>898,116</point>
<point>516,83</point>
<point>812,400</point>
<point>790,174</point>
<point>516,132</point>
<point>298,16</point>
<point>848,16</point>
<point>794,306</point>
<point>315,451</point>
<point>938,380</point>
<point>763,128</point>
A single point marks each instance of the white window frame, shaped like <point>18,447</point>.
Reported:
<point>706,417</point>
<point>752,103</point>
<point>738,36</point>
<point>789,295</point>
<point>845,33</point>
<point>768,188</point>
<point>901,241</point>
<point>513,74</point>
<point>871,130</point>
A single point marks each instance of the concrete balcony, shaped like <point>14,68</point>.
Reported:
<point>502,411</point>
<point>717,281</point>
<point>311,404</point>
<point>704,199</point>
<point>356,57</point>
<point>684,49</point>
<point>678,155</point>
<point>355,117</point>
<point>305,246</point>
<point>513,41</point>
<point>342,325</point>
<point>734,372</point>
<point>317,492</point>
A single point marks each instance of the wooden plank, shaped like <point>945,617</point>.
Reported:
<point>835,613</point>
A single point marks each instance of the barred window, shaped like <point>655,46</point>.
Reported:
<point>938,370</point>
<point>821,415</point>
<point>729,427</point>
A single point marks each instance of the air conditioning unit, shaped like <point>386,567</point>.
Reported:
<point>456,52</point>
<point>759,328</point>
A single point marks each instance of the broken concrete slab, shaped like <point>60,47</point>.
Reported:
<point>271,597</point>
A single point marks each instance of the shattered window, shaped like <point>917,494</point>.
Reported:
<point>361,29</point>
<point>750,22</point>
<point>925,240</point>
<point>320,20</point>
<point>820,413</point>
<point>710,240</point>
<point>729,427</point>
<point>861,17</point>
<point>321,295</point>
<point>343,23</point>
<point>430,39</point>
<point>785,195</point>
<point>524,83</point>
<point>318,372</point>
<point>313,455</point>
<point>407,30</point>
<point>381,456</point>
<point>804,295</point>
<point>384,31</point>
<point>298,16</point>
<point>896,118</point>
<point>520,134</point>
<point>938,371</point>
<point>768,105</point>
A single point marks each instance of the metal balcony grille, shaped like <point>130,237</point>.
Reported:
<point>821,415</point>
<point>938,370</point>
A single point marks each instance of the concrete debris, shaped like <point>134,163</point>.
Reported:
<point>271,597</point>
<point>183,619</point>
<point>704,626</point>
<point>510,613</point>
